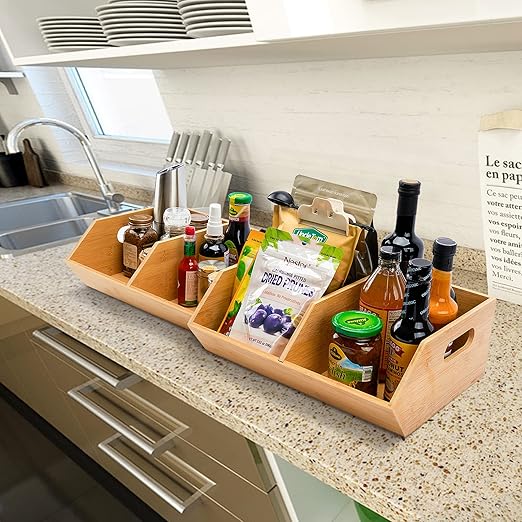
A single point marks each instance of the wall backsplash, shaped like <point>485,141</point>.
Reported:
<point>362,123</point>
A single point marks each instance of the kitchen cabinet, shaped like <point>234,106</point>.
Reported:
<point>206,466</point>
<point>288,31</point>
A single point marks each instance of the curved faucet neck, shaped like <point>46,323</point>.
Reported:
<point>113,200</point>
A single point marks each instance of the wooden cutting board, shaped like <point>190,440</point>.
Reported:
<point>33,166</point>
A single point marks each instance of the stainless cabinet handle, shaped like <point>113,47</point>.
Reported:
<point>194,479</point>
<point>166,426</point>
<point>90,366</point>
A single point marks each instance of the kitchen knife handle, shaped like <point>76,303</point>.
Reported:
<point>213,154</point>
<point>191,149</point>
<point>223,153</point>
<point>182,147</point>
<point>172,146</point>
<point>201,153</point>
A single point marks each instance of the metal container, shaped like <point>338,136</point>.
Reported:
<point>170,191</point>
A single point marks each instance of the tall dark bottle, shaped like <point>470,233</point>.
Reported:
<point>238,224</point>
<point>412,326</point>
<point>403,238</point>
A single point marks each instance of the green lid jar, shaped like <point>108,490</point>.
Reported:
<point>354,353</point>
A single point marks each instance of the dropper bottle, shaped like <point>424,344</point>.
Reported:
<point>214,248</point>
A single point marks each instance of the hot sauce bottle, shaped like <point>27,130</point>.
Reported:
<point>188,271</point>
<point>412,326</point>
<point>238,224</point>
<point>382,295</point>
<point>443,307</point>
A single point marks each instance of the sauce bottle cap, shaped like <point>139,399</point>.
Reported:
<point>356,324</point>
<point>390,253</point>
<point>190,231</point>
<point>419,270</point>
<point>410,187</point>
<point>444,246</point>
<point>240,198</point>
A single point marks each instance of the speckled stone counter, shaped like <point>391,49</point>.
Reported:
<point>464,464</point>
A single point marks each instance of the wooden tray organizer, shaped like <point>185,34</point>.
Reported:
<point>97,261</point>
<point>429,383</point>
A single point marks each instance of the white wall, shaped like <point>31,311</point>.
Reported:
<point>363,123</point>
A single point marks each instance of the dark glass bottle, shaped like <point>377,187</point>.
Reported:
<point>412,326</point>
<point>238,224</point>
<point>403,238</point>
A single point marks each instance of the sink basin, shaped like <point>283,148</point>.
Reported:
<point>47,209</point>
<point>53,233</point>
<point>32,224</point>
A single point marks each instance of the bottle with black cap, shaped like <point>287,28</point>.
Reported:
<point>443,307</point>
<point>382,295</point>
<point>412,326</point>
<point>403,237</point>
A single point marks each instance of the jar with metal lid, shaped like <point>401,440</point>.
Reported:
<point>355,350</point>
<point>138,236</point>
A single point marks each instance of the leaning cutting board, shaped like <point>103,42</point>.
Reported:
<point>33,166</point>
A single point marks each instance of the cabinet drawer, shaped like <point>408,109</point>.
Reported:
<point>213,438</point>
<point>200,478</point>
<point>85,361</point>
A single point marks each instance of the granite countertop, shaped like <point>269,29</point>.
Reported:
<point>464,464</point>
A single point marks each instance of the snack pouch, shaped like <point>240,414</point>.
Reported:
<point>288,274</point>
<point>248,255</point>
<point>288,219</point>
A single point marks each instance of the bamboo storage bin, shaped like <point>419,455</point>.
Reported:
<point>97,261</point>
<point>429,383</point>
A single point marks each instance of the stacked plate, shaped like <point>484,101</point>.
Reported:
<point>214,17</point>
<point>141,21</point>
<point>72,33</point>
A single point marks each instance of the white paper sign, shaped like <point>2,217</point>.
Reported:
<point>500,161</point>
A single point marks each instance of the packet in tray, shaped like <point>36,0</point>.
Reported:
<point>288,274</point>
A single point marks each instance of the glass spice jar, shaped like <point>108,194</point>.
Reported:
<point>354,352</point>
<point>138,236</point>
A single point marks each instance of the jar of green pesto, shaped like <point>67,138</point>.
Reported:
<point>354,352</point>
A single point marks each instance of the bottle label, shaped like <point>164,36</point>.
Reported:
<point>343,370</point>
<point>238,212</point>
<point>399,356</point>
<point>233,254</point>
<point>130,256</point>
<point>223,259</point>
<point>388,317</point>
<point>191,287</point>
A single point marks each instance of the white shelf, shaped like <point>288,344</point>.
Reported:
<point>245,49</point>
<point>11,74</point>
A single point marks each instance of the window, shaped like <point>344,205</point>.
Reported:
<point>122,103</point>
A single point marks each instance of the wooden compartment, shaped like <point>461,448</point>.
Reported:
<point>429,383</point>
<point>97,261</point>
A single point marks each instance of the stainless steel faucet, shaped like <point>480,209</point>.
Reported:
<point>111,198</point>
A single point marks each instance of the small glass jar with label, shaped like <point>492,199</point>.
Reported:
<point>354,351</point>
<point>138,236</point>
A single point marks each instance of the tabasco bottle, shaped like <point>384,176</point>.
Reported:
<point>443,307</point>
<point>238,224</point>
<point>412,326</point>
<point>382,295</point>
<point>403,237</point>
<point>188,271</point>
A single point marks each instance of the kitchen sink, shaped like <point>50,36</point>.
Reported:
<point>32,224</point>
<point>47,209</point>
<point>55,233</point>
